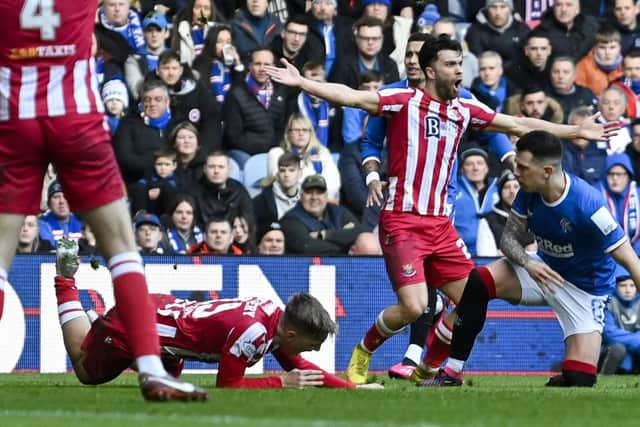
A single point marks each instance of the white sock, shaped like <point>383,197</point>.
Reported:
<point>455,365</point>
<point>70,310</point>
<point>151,364</point>
<point>414,353</point>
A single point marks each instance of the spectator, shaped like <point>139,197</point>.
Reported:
<point>295,45</point>
<point>612,105</point>
<point>533,102</point>
<point>168,8</point>
<point>244,232</point>
<point>633,149</point>
<point>508,187</point>
<point>625,20</point>
<point>316,227</point>
<point>571,32</point>
<point>254,27</point>
<point>190,100</point>
<point>582,157</point>
<point>496,30</point>
<point>138,137</point>
<point>470,67</point>
<point>184,141</point>
<point>154,193</point>
<point>29,240</point>
<point>59,222</point>
<point>110,52</point>
<point>368,55</point>
<point>621,334</point>
<point>215,193</point>
<point>491,86</point>
<point>192,23</point>
<point>116,103</point>
<point>619,189</point>
<point>149,234</point>
<point>332,30</point>
<point>354,120</point>
<point>533,65</point>
<point>301,140</point>
<point>396,30</point>
<point>219,65</point>
<point>603,64</point>
<point>317,110</point>
<point>282,195</point>
<point>630,82</point>
<point>255,111</point>
<point>427,19</point>
<point>137,65</point>
<point>564,89</point>
<point>183,231</point>
<point>218,239</point>
<point>477,194</point>
<point>116,15</point>
<point>271,240</point>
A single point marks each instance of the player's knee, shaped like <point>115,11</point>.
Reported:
<point>413,310</point>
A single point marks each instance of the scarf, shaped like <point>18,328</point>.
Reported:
<point>308,156</point>
<point>158,123</point>
<point>197,35</point>
<point>178,244</point>
<point>114,122</point>
<point>319,116</point>
<point>634,85</point>
<point>131,31</point>
<point>262,95</point>
<point>625,207</point>
<point>608,68</point>
<point>220,78</point>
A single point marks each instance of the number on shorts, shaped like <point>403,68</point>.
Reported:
<point>460,243</point>
<point>39,15</point>
<point>598,307</point>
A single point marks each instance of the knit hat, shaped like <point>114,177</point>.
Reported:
<point>333,2</point>
<point>387,3</point>
<point>115,89</point>
<point>507,2</point>
<point>262,231</point>
<point>474,151</point>
<point>505,177</point>
<point>54,187</point>
<point>429,16</point>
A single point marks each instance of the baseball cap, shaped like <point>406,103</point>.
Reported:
<point>54,187</point>
<point>474,151</point>
<point>267,228</point>
<point>147,218</point>
<point>156,19</point>
<point>314,181</point>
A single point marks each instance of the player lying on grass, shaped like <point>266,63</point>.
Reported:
<point>237,333</point>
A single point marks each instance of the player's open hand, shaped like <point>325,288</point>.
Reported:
<point>546,277</point>
<point>593,130</point>
<point>372,386</point>
<point>376,193</point>
<point>301,378</point>
<point>288,76</point>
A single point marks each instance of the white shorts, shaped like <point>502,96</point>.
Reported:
<point>578,311</point>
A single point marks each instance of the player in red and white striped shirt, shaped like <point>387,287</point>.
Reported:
<point>419,242</point>
<point>51,112</point>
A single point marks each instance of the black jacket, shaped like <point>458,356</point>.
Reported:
<point>354,195</point>
<point>264,206</point>
<point>481,37</point>
<point>347,71</point>
<point>311,51</point>
<point>248,125</point>
<point>575,42</point>
<point>581,96</point>
<point>523,73</point>
<point>213,201</point>
<point>134,144</point>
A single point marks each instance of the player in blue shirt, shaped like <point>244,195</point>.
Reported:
<point>572,271</point>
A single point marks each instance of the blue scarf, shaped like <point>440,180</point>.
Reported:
<point>131,31</point>
<point>159,123</point>
<point>625,207</point>
<point>114,122</point>
<point>220,78</point>
<point>319,116</point>
<point>262,95</point>
<point>634,85</point>
<point>152,61</point>
<point>329,37</point>
<point>608,68</point>
<point>197,35</point>
<point>500,94</point>
<point>317,164</point>
<point>180,246</point>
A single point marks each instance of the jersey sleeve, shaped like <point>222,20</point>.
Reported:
<point>394,99</point>
<point>480,115</point>
<point>373,141</point>
<point>607,233</point>
<point>298,362</point>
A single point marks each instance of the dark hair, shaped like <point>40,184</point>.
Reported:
<point>531,88</point>
<point>419,37</point>
<point>203,62</point>
<point>169,55</point>
<point>634,122</point>
<point>182,125</point>
<point>297,19</point>
<point>536,33</point>
<point>367,21</point>
<point>306,315</point>
<point>260,48</point>
<point>186,13</point>
<point>180,198</point>
<point>544,146</point>
<point>633,53</point>
<point>369,76</point>
<point>217,153</point>
<point>218,218</point>
<point>249,247</point>
<point>430,49</point>
<point>288,158</point>
<point>164,152</point>
<point>311,65</point>
<point>564,58</point>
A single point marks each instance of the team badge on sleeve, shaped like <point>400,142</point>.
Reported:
<point>605,222</point>
<point>251,345</point>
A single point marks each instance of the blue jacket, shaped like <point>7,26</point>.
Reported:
<point>469,211</point>
<point>588,164</point>
<point>622,326</point>
<point>52,231</point>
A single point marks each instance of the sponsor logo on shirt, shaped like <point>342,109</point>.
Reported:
<point>53,51</point>
<point>559,251</point>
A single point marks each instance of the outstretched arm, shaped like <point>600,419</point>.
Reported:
<point>333,92</point>
<point>589,129</point>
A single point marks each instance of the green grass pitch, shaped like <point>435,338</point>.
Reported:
<point>59,400</point>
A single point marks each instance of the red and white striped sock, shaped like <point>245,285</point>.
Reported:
<point>377,334</point>
<point>69,306</point>
<point>438,344</point>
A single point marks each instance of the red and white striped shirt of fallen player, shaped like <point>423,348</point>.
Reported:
<point>236,332</point>
<point>422,140</point>
<point>46,68</point>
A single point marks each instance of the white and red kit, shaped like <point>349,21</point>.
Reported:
<point>237,333</point>
<point>417,238</point>
<point>50,107</point>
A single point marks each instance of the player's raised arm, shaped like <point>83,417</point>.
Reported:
<point>333,92</point>
<point>589,129</point>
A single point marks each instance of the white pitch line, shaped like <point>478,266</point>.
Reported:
<point>198,419</point>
